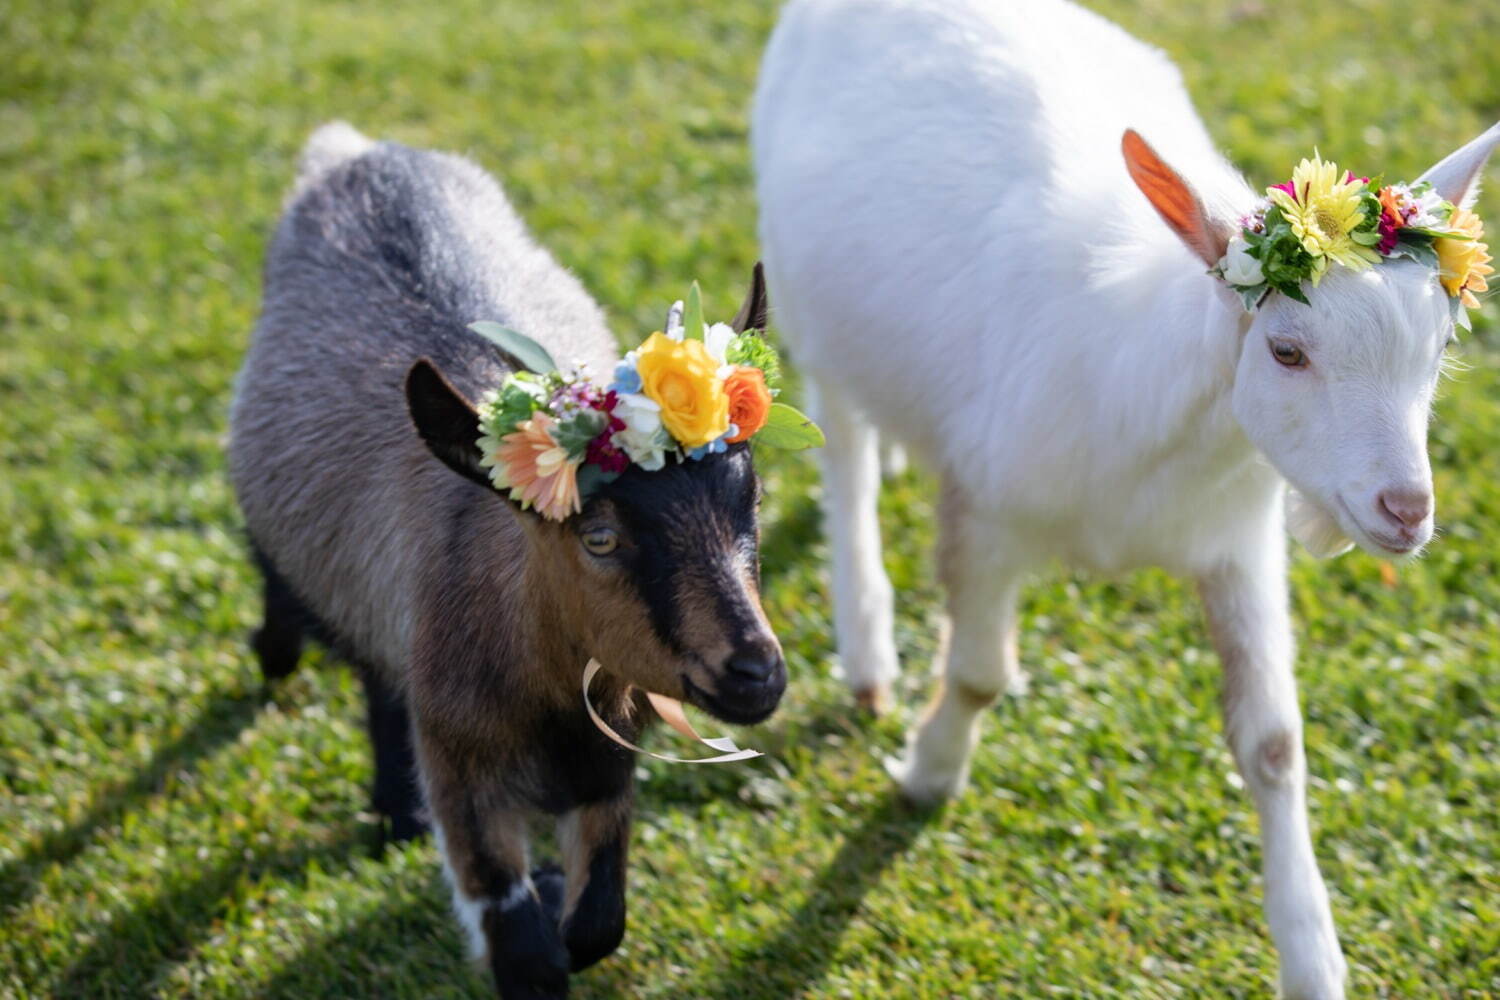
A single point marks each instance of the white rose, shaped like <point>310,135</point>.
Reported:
<point>642,437</point>
<point>1239,267</point>
<point>717,339</point>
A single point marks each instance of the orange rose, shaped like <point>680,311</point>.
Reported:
<point>749,401</point>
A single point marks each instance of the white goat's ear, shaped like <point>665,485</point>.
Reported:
<point>1456,176</point>
<point>1174,199</point>
<point>1314,527</point>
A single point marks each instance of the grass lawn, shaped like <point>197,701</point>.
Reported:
<point>166,830</point>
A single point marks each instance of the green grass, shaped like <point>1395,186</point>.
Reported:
<point>166,831</point>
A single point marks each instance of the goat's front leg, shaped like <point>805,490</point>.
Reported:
<point>1246,603</point>
<point>863,601</point>
<point>595,840</point>
<point>484,849</point>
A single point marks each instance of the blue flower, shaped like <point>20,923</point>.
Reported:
<point>627,379</point>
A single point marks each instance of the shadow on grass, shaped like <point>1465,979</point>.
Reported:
<point>410,950</point>
<point>221,722</point>
<point>382,954</point>
<point>128,957</point>
<point>799,954</point>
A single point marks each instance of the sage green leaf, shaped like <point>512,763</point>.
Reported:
<point>591,477</point>
<point>789,428</point>
<point>527,352</point>
<point>692,315</point>
<point>575,433</point>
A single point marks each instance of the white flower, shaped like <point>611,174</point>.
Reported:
<point>1239,267</point>
<point>1428,205</point>
<point>717,339</point>
<point>643,438</point>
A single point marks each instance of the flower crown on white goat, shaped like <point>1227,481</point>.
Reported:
<point>551,438</point>
<point>1325,216</point>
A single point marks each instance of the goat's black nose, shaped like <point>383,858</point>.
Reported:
<point>754,662</point>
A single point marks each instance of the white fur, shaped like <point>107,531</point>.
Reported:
<point>962,264</point>
<point>470,911</point>
<point>331,144</point>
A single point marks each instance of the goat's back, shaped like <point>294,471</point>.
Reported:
<point>949,231</point>
<point>383,256</point>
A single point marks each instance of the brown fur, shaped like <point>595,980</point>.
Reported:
<point>478,617</point>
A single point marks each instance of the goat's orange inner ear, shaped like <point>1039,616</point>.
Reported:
<point>1168,193</point>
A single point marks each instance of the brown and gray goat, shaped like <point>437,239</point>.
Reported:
<point>354,455</point>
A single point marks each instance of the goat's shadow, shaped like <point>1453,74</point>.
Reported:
<point>220,723</point>
<point>798,954</point>
<point>130,955</point>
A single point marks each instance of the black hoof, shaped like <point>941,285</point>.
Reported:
<point>551,888</point>
<point>403,828</point>
<point>278,651</point>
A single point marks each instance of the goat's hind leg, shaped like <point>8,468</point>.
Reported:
<point>863,601</point>
<point>396,796</point>
<point>278,641</point>
<point>977,662</point>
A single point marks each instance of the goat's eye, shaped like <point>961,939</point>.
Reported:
<point>600,541</point>
<point>1288,354</point>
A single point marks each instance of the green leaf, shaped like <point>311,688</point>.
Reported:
<point>754,351</point>
<point>520,396</point>
<point>526,352</point>
<point>1422,253</point>
<point>591,477</point>
<point>1437,234</point>
<point>692,315</point>
<point>789,428</point>
<point>575,433</point>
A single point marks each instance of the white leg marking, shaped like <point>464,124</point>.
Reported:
<point>470,912</point>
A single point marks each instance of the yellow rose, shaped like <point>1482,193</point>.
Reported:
<point>683,379</point>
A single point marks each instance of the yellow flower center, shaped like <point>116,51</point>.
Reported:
<point>1327,223</point>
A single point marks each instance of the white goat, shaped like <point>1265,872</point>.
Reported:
<point>961,261</point>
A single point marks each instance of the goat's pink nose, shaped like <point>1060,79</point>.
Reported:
<point>1408,506</point>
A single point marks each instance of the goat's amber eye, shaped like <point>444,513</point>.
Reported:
<point>600,541</point>
<point>1288,354</point>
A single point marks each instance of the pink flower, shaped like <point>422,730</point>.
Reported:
<point>1391,219</point>
<point>537,469</point>
<point>602,450</point>
<point>1289,187</point>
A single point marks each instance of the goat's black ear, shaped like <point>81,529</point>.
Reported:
<point>446,420</point>
<point>753,314</point>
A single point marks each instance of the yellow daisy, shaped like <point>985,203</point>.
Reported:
<point>1463,264</point>
<point>1323,209</point>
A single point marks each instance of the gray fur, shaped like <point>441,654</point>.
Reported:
<point>382,257</point>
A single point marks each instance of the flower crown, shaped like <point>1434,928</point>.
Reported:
<point>1316,218</point>
<point>551,438</point>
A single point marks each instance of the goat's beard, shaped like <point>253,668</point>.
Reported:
<point>1317,529</point>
